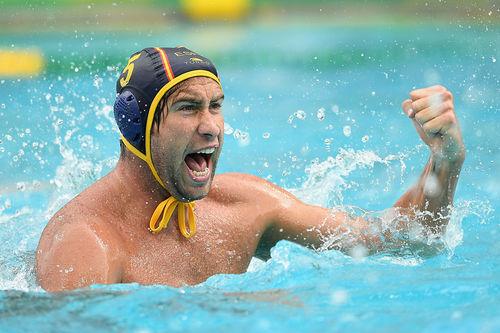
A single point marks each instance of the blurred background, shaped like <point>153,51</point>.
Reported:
<point>59,36</point>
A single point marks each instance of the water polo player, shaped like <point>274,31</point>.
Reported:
<point>161,216</point>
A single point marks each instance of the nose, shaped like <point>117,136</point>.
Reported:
<point>208,126</point>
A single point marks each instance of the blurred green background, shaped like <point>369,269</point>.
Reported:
<point>97,35</point>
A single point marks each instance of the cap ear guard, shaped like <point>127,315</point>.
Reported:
<point>128,118</point>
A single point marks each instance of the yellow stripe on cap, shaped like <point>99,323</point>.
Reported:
<point>21,63</point>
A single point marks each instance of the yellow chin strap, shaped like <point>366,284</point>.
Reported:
<point>167,207</point>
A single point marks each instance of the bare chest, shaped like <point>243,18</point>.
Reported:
<point>224,244</point>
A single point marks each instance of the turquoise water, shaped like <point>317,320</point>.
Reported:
<point>313,109</point>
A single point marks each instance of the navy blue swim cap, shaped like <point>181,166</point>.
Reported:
<point>143,82</point>
<point>148,76</point>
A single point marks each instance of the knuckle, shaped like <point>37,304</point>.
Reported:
<point>419,117</point>
<point>447,95</point>
<point>451,118</point>
<point>447,119</point>
<point>440,87</point>
<point>449,105</point>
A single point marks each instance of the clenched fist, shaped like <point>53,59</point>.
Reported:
<point>432,112</point>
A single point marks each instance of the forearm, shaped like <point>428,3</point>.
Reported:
<point>433,193</point>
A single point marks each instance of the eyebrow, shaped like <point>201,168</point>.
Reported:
<point>195,101</point>
<point>217,98</point>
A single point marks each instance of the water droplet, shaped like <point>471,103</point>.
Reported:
<point>300,114</point>
<point>358,252</point>
<point>321,114</point>
<point>339,297</point>
<point>432,187</point>
<point>328,143</point>
<point>228,129</point>
<point>347,130</point>
<point>456,315</point>
<point>305,149</point>
<point>97,82</point>
<point>242,137</point>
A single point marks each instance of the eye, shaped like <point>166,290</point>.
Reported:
<point>215,106</point>
<point>187,107</point>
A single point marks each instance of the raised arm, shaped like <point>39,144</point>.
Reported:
<point>432,113</point>
<point>428,202</point>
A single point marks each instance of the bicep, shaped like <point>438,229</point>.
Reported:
<point>285,217</point>
<point>74,257</point>
<point>321,228</point>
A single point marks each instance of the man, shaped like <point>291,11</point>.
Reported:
<point>162,217</point>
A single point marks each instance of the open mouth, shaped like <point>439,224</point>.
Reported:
<point>199,164</point>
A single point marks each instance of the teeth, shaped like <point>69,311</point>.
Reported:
<point>207,151</point>
<point>201,173</point>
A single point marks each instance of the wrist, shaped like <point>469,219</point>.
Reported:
<point>449,161</point>
<point>451,152</point>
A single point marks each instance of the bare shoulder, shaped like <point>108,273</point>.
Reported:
<point>77,249</point>
<point>251,189</point>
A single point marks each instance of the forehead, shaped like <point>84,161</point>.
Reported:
<point>196,86</point>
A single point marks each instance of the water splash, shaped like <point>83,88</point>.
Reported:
<point>402,236</point>
<point>75,171</point>
<point>326,181</point>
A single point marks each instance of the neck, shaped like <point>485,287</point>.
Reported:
<point>135,180</point>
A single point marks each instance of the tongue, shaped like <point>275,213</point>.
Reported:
<point>196,162</point>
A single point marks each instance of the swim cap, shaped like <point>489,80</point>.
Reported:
<point>147,77</point>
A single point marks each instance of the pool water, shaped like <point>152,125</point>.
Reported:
<point>315,109</point>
